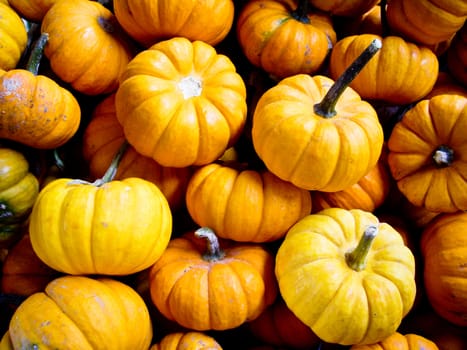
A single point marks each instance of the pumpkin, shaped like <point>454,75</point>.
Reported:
<point>279,326</point>
<point>108,227</point>
<point>400,73</point>
<point>443,247</point>
<point>426,153</point>
<point>217,285</point>
<point>426,22</point>
<point>5,342</point>
<point>346,275</point>
<point>318,133</point>
<point>23,273</point>
<point>103,136</point>
<point>87,48</point>
<point>34,109</point>
<point>457,56</point>
<point>32,10</point>
<point>181,103</point>
<point>78,312</point>
<point>284,38</point>
<point>344,8</point>
<point>244,204</point>
<point>400,342</point>
<point>13,37</point>
<point>187,340</point>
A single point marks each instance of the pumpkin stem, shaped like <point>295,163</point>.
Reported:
<point>326,108</point>
<point>384,19</point>
<point>356,259</point>
<point>301,12</point>
<point>443,156</point>
<point>213,252</point>
<point>113,167</point>
<point>36,53</point>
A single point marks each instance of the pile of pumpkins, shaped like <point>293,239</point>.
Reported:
<point>256,174</point>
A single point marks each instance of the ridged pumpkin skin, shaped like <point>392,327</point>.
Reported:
<point>443,248</point>
<point>202,294</point>
<point>400,342</point>
<point>419,148</point>
<point>149,21</point>
<point>244,205</point>
<point>310,151</point>
<point>13,37</point>
<point>77,312</point>
<point>86,46</point>
<point>118,228</point>
<point>400,73</point>
<point>32,10</point>
<point>36,111</point>
<point>189,340</point>
<point>181,103</point>
<point>427,22</point>
<point>273,38</point>
<point>339,303</point>
<point>101,140</point>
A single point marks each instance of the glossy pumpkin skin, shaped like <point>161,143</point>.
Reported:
<point>189,340</point>
<point>275,39</point>
<point>400,342</point>
<point>430,126</point>
<point>118,228</point>
<point>77,312</point>
<point>36,111</point>
<point>149,22</point>
<point>400,73</point>
<point>342,305</point>
<point>212,295</point>
<point>86,46</point>
<point>310,151</point>
<point>443,247</point>
<point>32,10</point>
<point>181,103</point>
<point>344,8</point>
<point>244,205</point>
<point>13,37</point>
<point>427,22</point>
<point>102,138</point>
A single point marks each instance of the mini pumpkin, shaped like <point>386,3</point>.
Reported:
<point>401,342</point>
<point>205,283</point>
<point>77,312</point>
<point>32,10</point>
<point>13,37</point>
<point>187,340</point>
<point>181,103</point>
<point>346,275</point>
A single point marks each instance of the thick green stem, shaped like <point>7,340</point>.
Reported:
<point>37,53</point>
<point>213,251</point>
<point>301,12</point>
<point>326,108</point>
<point>356,259</point>
<point>443,156</point>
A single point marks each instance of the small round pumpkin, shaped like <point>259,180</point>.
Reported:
<point>401,342</point>
<point>86,47</point>
<point>244,204</point>
<point>149,21</point>
<point>181,103</point>
<point>191,340</point>
<point>217,285</point>
<point>13,36</point>
<point>77,312</point>
<point>284,38</point>
<point>346,275</point>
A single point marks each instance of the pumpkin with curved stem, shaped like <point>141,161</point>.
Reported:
<point>426,153</point>
<point>284,38</point>
<point>101,139</point>
<point>77,312</point>
<point>244,204</point>
<point>34,109</point>
<point>181,103</point>
<point>82,26</point>
<point>443,247</point>
<point>151,21</point>
<point>343,267</point>
<point>217,285</point>
<point>187,340</point>
<point>400,342</point>
<point>316,133</point>
<point>400,73</point>
<point>109,227</point>
<point>13,36</point>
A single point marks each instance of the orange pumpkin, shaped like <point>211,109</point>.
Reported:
<point>187,340</point>
<point>400,342</point>
<point>215,288</point>
<point>32,10</point>
<point>284,38</point>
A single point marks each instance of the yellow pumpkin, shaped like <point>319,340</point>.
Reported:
<point>13,36</point>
